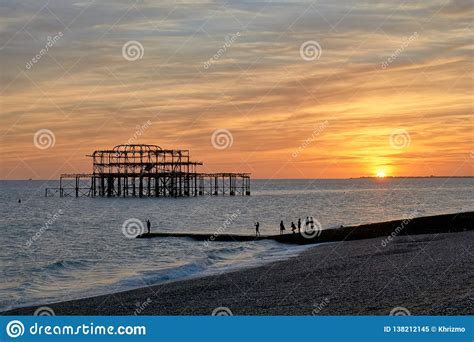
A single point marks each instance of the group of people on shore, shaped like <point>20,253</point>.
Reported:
<point>309,224</point>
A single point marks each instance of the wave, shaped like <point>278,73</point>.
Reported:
<point>222,257</point>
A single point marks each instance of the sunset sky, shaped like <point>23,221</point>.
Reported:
<point>389,90</point>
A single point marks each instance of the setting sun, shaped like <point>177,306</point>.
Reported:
<point>380,174</point>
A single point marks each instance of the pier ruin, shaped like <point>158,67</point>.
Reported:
<point>140,170</point>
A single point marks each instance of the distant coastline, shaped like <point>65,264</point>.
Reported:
<point>399,177</point>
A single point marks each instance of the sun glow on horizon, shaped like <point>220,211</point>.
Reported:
<point>380,174</point>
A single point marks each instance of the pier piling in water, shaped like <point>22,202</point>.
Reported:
<point>148,171</point>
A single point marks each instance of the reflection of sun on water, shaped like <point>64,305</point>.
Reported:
<point>380,174</point>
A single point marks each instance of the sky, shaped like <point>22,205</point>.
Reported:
<point>281,89</point>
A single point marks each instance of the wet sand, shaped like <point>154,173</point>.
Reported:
<point>425,274</point>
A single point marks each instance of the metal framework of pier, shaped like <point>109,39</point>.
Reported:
<point>148,171</point>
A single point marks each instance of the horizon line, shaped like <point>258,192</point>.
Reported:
<point>336,178</point>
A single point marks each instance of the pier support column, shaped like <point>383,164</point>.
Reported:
<point>110,186</point>
<point>140,186</point>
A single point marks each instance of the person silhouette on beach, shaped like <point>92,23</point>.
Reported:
<point>148,225</point>
<point>311,222</point>
<point>299,225</point>
<point>257,228</point>
<point>306,223</point>
<point>282,227</point>
<point>293,227</point>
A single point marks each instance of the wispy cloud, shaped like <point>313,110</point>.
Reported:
<point>261,90</point>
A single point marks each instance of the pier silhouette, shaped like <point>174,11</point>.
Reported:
<point>140,170</point>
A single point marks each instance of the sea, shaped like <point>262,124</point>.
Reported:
<point>55,249</point>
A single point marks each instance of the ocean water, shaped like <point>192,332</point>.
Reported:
<point>56,249</point>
